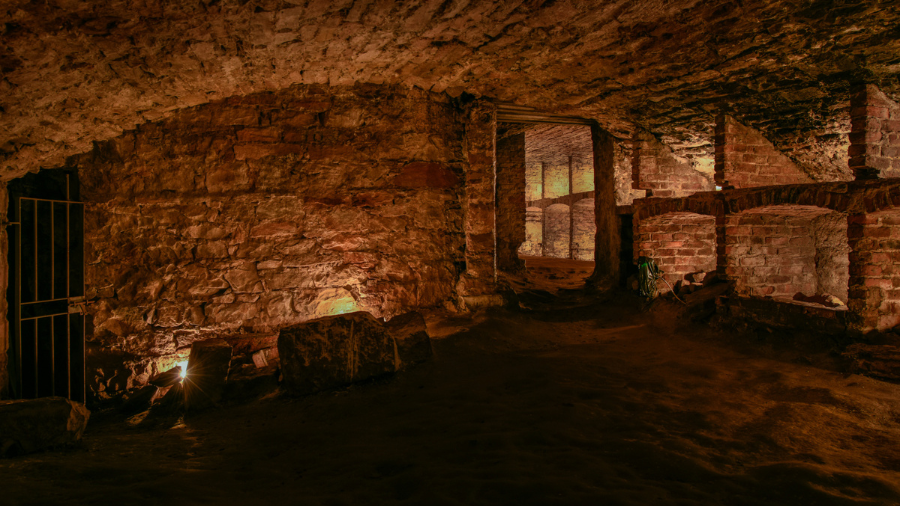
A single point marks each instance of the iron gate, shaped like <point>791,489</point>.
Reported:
<point>46,286</point>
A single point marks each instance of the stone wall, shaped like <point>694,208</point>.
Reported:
<point>744,158</point>
<point>656,169</point>
<point>680,243</point>
<point>874,135</point>
<point>477,285</point>
<point>271,209</point>
<point>875,269</point>
<point>625,191</point>
<point>780,251</point>
<point>511,191</point>
<point>832,255</point>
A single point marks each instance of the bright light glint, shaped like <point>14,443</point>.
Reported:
<point>183,364</point>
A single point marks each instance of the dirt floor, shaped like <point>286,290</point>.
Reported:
<point>585,400</point>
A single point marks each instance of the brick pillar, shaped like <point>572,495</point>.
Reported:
<point>874,286</point>
<point>477,287</point>
<point>510,199</point>
<point>607,240</point>
<point>874,134</point>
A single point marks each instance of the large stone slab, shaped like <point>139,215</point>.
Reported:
<point>338,350</point>
<point>35,424</point>
<point>207,371</point>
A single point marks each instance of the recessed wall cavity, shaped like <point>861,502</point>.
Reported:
<point>787,252</point>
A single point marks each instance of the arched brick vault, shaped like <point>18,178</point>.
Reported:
<point>79,72</point>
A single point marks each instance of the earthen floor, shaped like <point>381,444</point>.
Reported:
<point>594,404</point>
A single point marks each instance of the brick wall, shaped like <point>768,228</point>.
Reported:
<point>584,230</point>
<point>770,254</point>
<point>745,159</point>
<point>534,224</point>
<point>875,269</point>
<point>874,134</point>
<point>510,219</point>
<point>680,243</point>
<point>774,252</point>
<point>656,169</point>
<point>556,231</point>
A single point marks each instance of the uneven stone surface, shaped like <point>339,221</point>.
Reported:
<point>207,371</point>
<point>76,72</point>
<point>338,350</point>
<point>31,425</point>
<point>254,213</point>
<point>880,361</point>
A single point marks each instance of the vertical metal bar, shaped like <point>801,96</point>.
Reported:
<point>36,350</point>
<point>84,316</point>
<point>52,253</point>
<point>18,308</point>
<point>37,296</point>
<point>68,290</point>
<point>53,355</point>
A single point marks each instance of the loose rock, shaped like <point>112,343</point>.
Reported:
<point>207,371</point>
<point>31,425</point>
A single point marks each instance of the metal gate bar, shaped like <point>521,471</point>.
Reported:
<point>47,263</point>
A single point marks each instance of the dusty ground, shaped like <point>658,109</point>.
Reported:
<point>596,403</point>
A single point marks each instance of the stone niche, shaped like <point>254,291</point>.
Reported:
<point>681,243</point>
<point>267,210</point>
<point>780,251</point>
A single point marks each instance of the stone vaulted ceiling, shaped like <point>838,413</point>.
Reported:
<point>75,71</point>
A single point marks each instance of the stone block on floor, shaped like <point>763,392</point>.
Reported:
<point>207,371</point>
<point>31,425</point>
<point>410,333</point>
<point>338,350</point>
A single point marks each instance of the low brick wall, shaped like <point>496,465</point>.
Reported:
<point>680,243</point>
<point>779,313</point>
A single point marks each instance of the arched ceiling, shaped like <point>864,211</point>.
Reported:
<point>78,71</point>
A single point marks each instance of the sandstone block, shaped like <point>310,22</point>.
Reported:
<point>30,425</point>
<point>338,350</point>
<point>334,351</point>
<point>207,371</point>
